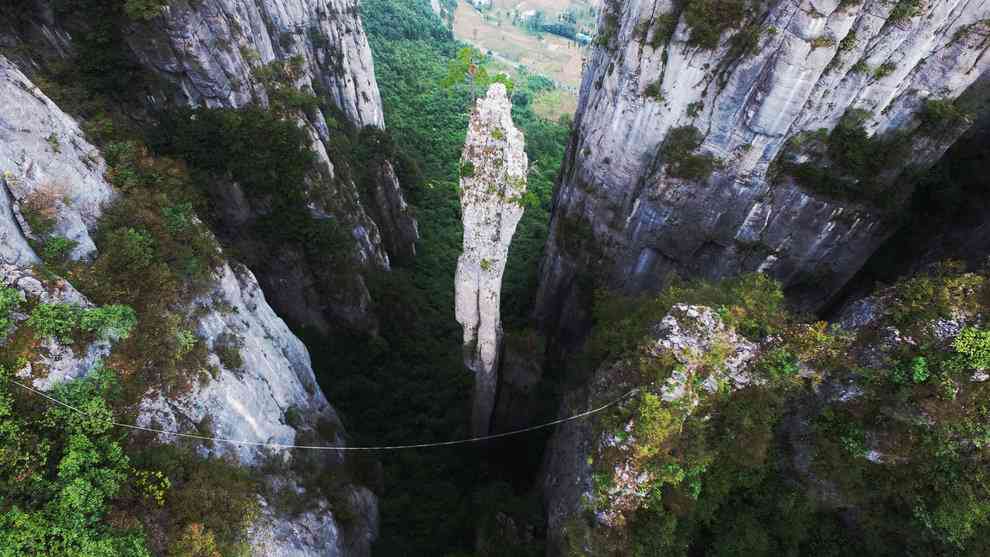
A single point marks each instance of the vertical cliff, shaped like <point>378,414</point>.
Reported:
<point>493,181</point>
<point>248,377</point>
<point>772,136</point>
<point>307,59</point>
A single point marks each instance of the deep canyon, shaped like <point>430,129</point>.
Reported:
<point>754,264</point>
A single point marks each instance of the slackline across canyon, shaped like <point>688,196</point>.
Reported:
<point>345,448</point>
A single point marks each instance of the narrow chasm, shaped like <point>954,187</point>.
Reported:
<point>452,278</point>
<point>408,384</point>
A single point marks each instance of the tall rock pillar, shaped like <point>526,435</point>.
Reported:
<point>493,181</point>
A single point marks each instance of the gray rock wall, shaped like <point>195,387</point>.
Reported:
<point>221,53</point>
<point>622,220</point>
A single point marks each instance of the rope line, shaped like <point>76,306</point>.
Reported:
<point>344,448</point>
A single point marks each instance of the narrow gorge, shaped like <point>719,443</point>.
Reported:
<point>319,277</point>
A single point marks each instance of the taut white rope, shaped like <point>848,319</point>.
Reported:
<point>330,448</point>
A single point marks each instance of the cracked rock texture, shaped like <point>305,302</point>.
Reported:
<point>493,181</point>
<point>49,165</point>
<point>620,219</point>
<point>249,403</point>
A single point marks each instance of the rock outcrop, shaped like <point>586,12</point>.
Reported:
<point>493,181</point>
<point>42,151</point>
<point>894,388</point>
<point>687,140</point>
<point>686,334</point>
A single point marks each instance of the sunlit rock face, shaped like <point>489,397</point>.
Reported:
<point>493,181</point>
<point>624,220</point>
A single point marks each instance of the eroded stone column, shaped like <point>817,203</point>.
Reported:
<point>493,182</point>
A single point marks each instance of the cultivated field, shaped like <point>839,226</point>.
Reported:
<point>544,53</point>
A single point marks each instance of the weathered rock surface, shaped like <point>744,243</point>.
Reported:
<point>621,220</point>
<point>49,170</point>
<point>250,404</point>
<point>212,52</point>
<point>220,54</point>
<point>211,49</point>
<point>493,181</point>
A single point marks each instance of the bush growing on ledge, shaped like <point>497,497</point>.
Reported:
<point>708,19</point>
<point>144,9</point>
<point>846,162</point>
<point>941,116</point>
<point>654,91</point>
<point>679,154</point>
<point>10,299</point>
<point>62,474</point>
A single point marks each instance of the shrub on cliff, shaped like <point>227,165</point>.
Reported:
<point>61,472</point>
<point>679,152</point>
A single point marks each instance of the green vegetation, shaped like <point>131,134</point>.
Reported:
<point>751,303</point>
<point>846,162</point>
<point>940,117</point>
<point>904,10</point>
<point>679,151</point>
<point>654,91</point>
<point>883,70</point>
<point>62,474</point>
<point>709,19</point>
<point>469,67</point>
<point>847,42</point>
<point>974,345</point>
<point>823,41</point>
<point>57,250</point>
<point>144,9</point>
<point>719,485</point>
<point>62,321</point>
<point>10,299</point>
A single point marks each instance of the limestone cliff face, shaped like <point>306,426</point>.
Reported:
<point>44,153</point>
<point>211,52</point>
<point>230,54</point>
<point>626,216</point>
<point>493,181</point>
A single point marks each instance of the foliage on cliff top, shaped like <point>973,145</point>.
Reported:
<point>752,303</point>
<point>918,485</point>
